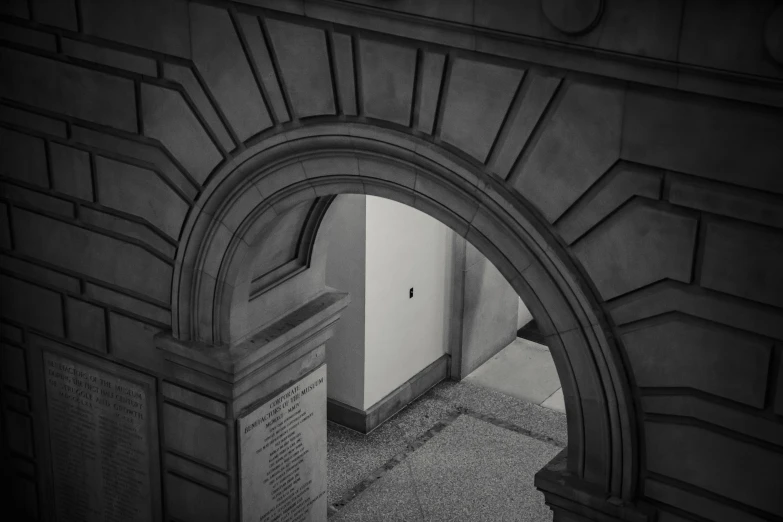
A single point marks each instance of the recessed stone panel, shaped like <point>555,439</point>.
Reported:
<point>103,430</point>
<point>621,183</point>
<point>185,77</point>
<point>23,157</point>
<point>304,64</point>
<point>387,76</point>
<point>259,52</point>
<point>345,78</point>
<point>578,141</point>
<point>744,261</point>
<point>86,324</point>
<point>140,192</point>
<point>747,473</point>
<point>689,353</point>
<point>71,171</point>
<point>219,56</point>
<point>537,90</point>
<point>430,79</point>
<point>31,305</point>
<point>189,501</point>
<point>33,121</point>
<point>68,89</point>
<point>169,119</point>
<point>133,340</point>
<point>84,251</point>
<point>14,367</point>
<point>110,57</point>
<point>196,436</point>
<point>150,24</point>
<point>476,101</point>
<point>282,454</point>
<point>639,245</point>
<point>709,137</point>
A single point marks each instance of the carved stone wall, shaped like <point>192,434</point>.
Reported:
<point>653,163</point>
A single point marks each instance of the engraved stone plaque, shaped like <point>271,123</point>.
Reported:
<point>282,446</point>
<point>98,429</point>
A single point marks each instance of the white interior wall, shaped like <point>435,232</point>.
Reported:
<point>405,248</point>
<point>345,270</point>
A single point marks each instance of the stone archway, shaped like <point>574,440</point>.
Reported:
<point>322,160</point>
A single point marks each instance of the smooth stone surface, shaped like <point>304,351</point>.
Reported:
<point>472,470</point>
<point>282,448</point>
<point>573,16</point>
<point>523,370</point>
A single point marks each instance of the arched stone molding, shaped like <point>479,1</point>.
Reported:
<point>320,160</point>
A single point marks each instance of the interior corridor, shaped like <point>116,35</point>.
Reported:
<point>462,451</point>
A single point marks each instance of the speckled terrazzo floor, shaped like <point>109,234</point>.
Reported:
<point>460,452</point>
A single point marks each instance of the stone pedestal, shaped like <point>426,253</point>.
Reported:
<point>573,500</point>
<point>274,445</point>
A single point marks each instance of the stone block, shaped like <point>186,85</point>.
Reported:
<point>130,304</point>
<point>23,157</point>
<point>747,473</point>
<point>728,200</point>
<point>700,505</point>
<point>638,245</point>
<point>476,98</point>
<point>150,24</point>
<point>221,59</point>
<point>169,119</point>
<point>704,136</point>
<point>68,89</point>
<point>31,198</point>
<point>201,473</point>
<point>387,78</point>
<point>622,182</point>
<point>462,205</point>
<point>646,28</point>
<point>14,367</point>
<point>577,142</point>
<point>131,340</point>
<point>196,436</point>
<point>140,192</point>
<point>259,53</point>
<point>331,166</point>
<point>723,414</point>
<point>187,500</point>
<point>535,94</point>
<point>110,57</point>
<point>32,121</point>
<point>61,13</point>
<point>669,296</point>
<point>40,274</point>
<point>727,36</point>
<point>71,171</point>
<point>5,228</point>
<point>11,333</point>
<point>430,79</point>
<point>304,65</point>
<point>744,261</point>
<point>398,174</point>
<point>194,399</point>
<point>30,37</point>
<point>93,254</point>
<point>19,433</point>
<point>131,229</point>
<point>31,305</point>
<point>86,324</point>
<point>186,77</point>
<point>688,353</point>
<point>145,152</point>
<point>18,8</point>
<point>342,48</point>
<point>778,404</point>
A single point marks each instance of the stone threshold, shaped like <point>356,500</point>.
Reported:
<point>365,421</point>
